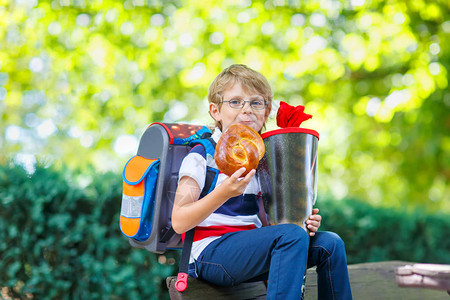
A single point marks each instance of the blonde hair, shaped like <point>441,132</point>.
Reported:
<point>250,80</point>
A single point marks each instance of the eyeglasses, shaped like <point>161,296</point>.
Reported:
<point>257,104</point>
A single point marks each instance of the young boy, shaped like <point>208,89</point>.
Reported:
<point>230,245</point>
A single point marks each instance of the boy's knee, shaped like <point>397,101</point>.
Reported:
<point>295,232</point>
<point>337,240</point>
<point>334,241</point>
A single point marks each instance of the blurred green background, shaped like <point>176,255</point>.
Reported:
<point>80,81</point>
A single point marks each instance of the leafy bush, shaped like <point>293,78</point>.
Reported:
<point>62,241</point>
<point>60,238</point>
<point>378,234</point>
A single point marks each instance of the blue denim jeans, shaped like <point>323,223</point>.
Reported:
<point>280,255</point>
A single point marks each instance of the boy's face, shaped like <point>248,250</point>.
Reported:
<point>247,116</point>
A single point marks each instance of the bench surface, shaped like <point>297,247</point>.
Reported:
<point>368,281</point>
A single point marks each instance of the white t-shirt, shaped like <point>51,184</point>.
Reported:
<point>237,213</point>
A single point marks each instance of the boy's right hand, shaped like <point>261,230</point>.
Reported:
<point>234,185</point>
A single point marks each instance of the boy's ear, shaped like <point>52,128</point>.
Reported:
<point>267,113</point>
<point>214,112</point>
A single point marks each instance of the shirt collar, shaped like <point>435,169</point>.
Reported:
<point>217,133</point>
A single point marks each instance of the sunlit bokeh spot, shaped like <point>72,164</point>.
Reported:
<point>197,71</point>
<point>357,2</point>
<point>365,21</point>
<point>170,46</point>
<point>127,28</point>
<point>298,20</point>
<point>54,28</point>
<point>243,17</point>
<point>396,98</point>
<point>318,20</point>
<point>185,39</point>
<point>28,161</point>
<point>446,26</point>
<point>83,20</point>
<point>178,110</point>
<point>111,15</point>
<point>86,140</point>
<point>36,64</point>
<point>435,48</point>
<point>125,144</point>
<point>408,79</point>
<point>31,120</point>
<point>434,68</point>
<point>399,18</point>
<point>13,133</point>
<point>373,106</point>
<point>3,93</point>
<point>217,38</point>
<point>157,20</point>
<point>268,28</point>
<point>46,129</point>
<point>314,44</point>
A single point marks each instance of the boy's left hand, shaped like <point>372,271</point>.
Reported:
<point>313,222</point>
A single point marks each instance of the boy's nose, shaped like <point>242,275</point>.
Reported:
<point>247,107</point>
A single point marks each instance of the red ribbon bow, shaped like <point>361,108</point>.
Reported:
<point>291,116</point>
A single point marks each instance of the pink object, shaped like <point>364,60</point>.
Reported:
<point>181,283</point>
<point>431,276</point>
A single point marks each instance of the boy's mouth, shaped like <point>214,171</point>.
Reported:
<point>246,122</point>
<point>245,119</point>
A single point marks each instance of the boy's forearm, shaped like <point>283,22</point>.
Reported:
<point>187,216</point>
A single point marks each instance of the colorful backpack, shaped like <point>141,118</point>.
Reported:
<point>150,180</point>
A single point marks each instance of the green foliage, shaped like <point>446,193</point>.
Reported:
<point>377,234</point>
<point>77,77</point>
<point>60,239</point>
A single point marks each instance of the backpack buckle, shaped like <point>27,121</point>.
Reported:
<point>181,283</point>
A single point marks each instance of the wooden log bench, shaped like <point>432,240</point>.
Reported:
<point>368,281</point>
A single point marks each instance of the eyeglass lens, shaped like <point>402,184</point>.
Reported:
<point>239,103</point>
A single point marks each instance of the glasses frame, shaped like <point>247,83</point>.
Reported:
<point>243,104</point>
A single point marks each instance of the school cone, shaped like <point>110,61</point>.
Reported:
<point>288,176</point>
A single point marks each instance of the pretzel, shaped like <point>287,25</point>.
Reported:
<point>239,146</point>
